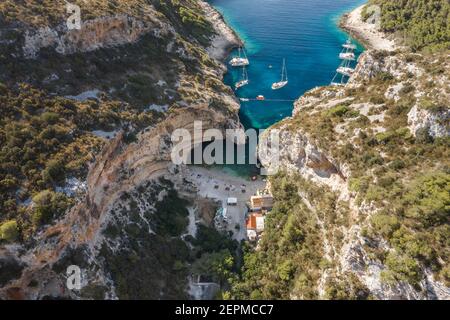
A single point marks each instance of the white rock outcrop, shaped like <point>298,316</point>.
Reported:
<point>437,124</point>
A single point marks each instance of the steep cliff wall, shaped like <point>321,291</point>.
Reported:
<point>356,148</point>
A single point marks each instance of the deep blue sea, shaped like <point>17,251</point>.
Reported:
<point>304,32</point>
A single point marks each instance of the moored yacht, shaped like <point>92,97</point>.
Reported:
<point>284,78</point>
<point>241,60</point>
<point>349,45</point>
<point>347,56</point>
<point>345,70</point>
<point>244,80</point>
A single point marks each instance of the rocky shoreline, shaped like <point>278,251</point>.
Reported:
<point>226,38</point>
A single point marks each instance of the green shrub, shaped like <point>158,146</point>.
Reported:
<point>338,111</point>
<point>428,198</point>
<point>49,205</point>
<point>9,230</point>
<point>423,136</point>
<point>386,225</point>
<point>401,268</point>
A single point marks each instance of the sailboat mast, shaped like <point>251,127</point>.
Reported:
<point>285,69</point>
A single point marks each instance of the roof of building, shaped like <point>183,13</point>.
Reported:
<point>261,201</point>
<point>251,221</point>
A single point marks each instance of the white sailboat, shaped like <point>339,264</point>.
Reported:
<point>244,80</point>
<point>241,60</point>
<point>284,78</point>
<point>345,70</point>
<point>347,56</point>
<point>349,45</point>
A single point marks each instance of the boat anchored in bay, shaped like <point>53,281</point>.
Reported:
<point>244,80</point>
<point>284,78</point>
<point>241,60</point>
<point>345,70</point>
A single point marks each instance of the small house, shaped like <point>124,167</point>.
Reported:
<point>255,222</point>
<point>261,202</point>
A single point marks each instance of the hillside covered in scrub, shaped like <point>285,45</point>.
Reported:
<point>363,200</point>
<point>85,122</point>
<point>49,133</point>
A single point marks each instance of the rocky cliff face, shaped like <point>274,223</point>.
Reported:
<point>435,123</point>
<point>127,173</point>
<point>322,144</point>
<point>94,34</point>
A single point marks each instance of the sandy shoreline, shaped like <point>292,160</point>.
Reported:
<point>366,33</point>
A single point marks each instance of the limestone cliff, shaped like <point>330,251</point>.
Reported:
<point>346,141</point>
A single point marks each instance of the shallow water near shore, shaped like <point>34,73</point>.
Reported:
<point>304,32</point>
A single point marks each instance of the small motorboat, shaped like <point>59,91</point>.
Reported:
<point>284,78</point>
<point>240,84</point>
<point>260,98</point>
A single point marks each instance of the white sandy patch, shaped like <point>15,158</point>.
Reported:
<point>393,92</point>
<point>90,94</point>
<point>158,108</point>
<point>369,32</point>
<point>104,134</point>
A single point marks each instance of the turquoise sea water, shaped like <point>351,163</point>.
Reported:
<point>304,32</point>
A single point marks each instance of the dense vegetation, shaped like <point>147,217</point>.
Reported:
<point>192,19</point>
<point>45,141</point>
<point>156,265</point>
<point>407,178</point>
<point>290,254</point>
<point>423,24</point>
<point>290,258</point>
